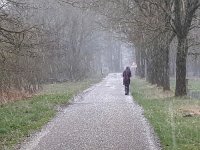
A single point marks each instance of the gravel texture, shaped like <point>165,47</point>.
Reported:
<point>101,118</point>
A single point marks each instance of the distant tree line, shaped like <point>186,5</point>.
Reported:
<point>44,42</point>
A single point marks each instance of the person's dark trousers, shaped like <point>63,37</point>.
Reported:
<point>127,89</point>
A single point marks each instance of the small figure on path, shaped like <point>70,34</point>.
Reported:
<point>126,79</point>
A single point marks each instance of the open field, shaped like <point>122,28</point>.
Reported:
<point>193,84</point>
<point>175,120</point>
<point>193,87</point>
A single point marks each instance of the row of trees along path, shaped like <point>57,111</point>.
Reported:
<point>151,26</point>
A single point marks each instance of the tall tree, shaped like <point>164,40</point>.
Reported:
<point>182,17</point>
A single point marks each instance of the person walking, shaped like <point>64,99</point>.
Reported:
<point>126,79</point>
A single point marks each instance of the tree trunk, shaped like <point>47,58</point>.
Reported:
<point>150,67</point>
<point>166,78</point>
<point>137,53</point>
<point>181,59</point>
<point>160,66</point>
<point>142,64</point>
<point>140,61</point>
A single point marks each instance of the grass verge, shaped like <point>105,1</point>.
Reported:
<point>169,116</point>
<point>19,119</point>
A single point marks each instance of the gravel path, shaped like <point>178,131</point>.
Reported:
<point>102,118</point>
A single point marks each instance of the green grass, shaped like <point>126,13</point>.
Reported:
<point>166,114</point>
<point>21,118</point>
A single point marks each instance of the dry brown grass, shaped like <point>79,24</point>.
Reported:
<point>12,96</point>
<point>154,92</point>
<point>193,110</point>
